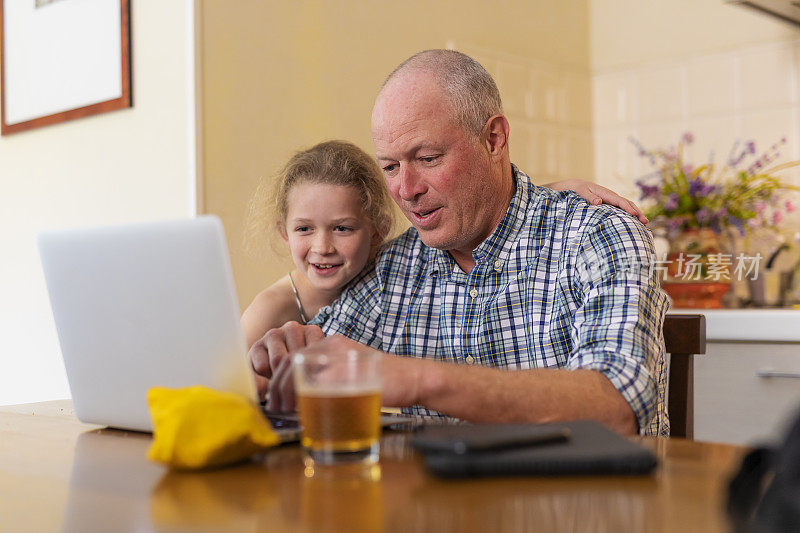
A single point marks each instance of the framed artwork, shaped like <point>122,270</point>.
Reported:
<point>61,60</point>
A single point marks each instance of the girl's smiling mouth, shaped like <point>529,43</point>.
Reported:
<point>325,269</point>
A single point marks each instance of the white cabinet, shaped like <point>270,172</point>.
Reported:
<point>735,400</point>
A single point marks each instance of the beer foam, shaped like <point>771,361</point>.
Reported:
<point>338,392</point>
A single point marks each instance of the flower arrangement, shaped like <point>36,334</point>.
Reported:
<point>744,194</point>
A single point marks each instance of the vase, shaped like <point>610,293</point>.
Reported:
<point>698,270</point>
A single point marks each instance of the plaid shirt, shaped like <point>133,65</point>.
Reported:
<point>558,284</point>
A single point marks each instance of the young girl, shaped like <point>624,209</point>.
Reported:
<point>331,207</point>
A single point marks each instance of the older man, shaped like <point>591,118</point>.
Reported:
<point>495,275</point>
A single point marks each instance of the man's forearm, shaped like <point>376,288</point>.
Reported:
<point>479,394</point>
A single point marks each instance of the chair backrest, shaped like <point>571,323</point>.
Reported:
<point>684,336</point>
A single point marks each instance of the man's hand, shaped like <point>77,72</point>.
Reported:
<point>400,376</point>
<point>272,362</point>
<point>597,194</point>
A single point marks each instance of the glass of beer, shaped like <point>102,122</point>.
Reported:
<point>339,402</point>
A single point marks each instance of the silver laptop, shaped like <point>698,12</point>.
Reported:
<point>146,305</point>
<point>142,305</point>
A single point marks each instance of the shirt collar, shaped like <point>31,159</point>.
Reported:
<point>498,245</point>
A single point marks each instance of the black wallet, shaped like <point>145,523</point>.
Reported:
<point>584,448</point>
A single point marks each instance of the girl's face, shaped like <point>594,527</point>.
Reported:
<point>328,233</point>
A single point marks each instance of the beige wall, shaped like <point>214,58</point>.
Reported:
<point>282,75</point>
<point>625,33</point>
<point>127,165</point>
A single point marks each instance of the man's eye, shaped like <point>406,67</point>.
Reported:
<point>430,158</point>
<point>388,169</point>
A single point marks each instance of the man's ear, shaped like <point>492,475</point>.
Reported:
<point>495,135</point>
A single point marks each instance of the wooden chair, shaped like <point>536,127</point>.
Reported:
<point>684,336</point>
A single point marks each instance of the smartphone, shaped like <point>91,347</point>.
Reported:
<point>467,438</point>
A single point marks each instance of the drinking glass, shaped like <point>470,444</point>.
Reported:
<point>339,402</point>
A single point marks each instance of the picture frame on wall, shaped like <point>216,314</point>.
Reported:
<point>61,60</point>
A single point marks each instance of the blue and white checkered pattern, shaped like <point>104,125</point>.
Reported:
<point>559,284</point>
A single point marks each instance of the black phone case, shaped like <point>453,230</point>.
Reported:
<point>592,449</point>
<point>469,438</point>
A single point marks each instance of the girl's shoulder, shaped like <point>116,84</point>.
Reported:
<point>271,308</point>
<point>277,295</point>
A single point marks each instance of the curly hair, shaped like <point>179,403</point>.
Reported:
<point>333,162</point>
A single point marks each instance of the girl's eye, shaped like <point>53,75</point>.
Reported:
<point>343,228</point>
<point>302,229</point>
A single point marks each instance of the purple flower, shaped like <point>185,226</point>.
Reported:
<point>671,203</point>
<point>703,215</point>
<point>687,169</point>
<point>647,191</point>
<point>641,149</point>
<point>755,167</point>
<point>738,223</point>
<point>699,189</point>
<point>749,148</point>
<point>695,187</point>
<point>688,138</point>
<point>674,225</point>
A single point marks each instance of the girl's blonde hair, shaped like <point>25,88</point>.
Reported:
<point>331,162</point>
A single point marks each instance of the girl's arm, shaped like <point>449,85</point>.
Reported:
<point>271,308</point>
<point>597,194</point>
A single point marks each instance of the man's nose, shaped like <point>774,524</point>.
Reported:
<point>411,183</point>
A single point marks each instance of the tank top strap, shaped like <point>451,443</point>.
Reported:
<point>297,300</point>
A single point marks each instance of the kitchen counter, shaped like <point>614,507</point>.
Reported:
<point>747,384</point>
<point>749,325</point>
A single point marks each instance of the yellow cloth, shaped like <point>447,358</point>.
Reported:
<point>197,427</point>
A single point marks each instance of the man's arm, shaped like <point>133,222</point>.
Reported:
<point>619,309</point>
<point>474,394</point>
<point>480,394</point>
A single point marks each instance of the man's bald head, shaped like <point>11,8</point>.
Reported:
<point>471,91</point>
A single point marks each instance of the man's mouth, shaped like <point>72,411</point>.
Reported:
<point>422,215</point>
<point>426,219</point>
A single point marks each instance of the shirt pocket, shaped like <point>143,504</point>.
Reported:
<point>505,330</point>
<point>413,328</point>
<point>522,323</point>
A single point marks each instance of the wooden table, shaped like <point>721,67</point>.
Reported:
<point>59,474</point>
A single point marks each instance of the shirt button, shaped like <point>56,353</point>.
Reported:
<point>498,266</point>
<point>470,359</point>
<point>474,293</point>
